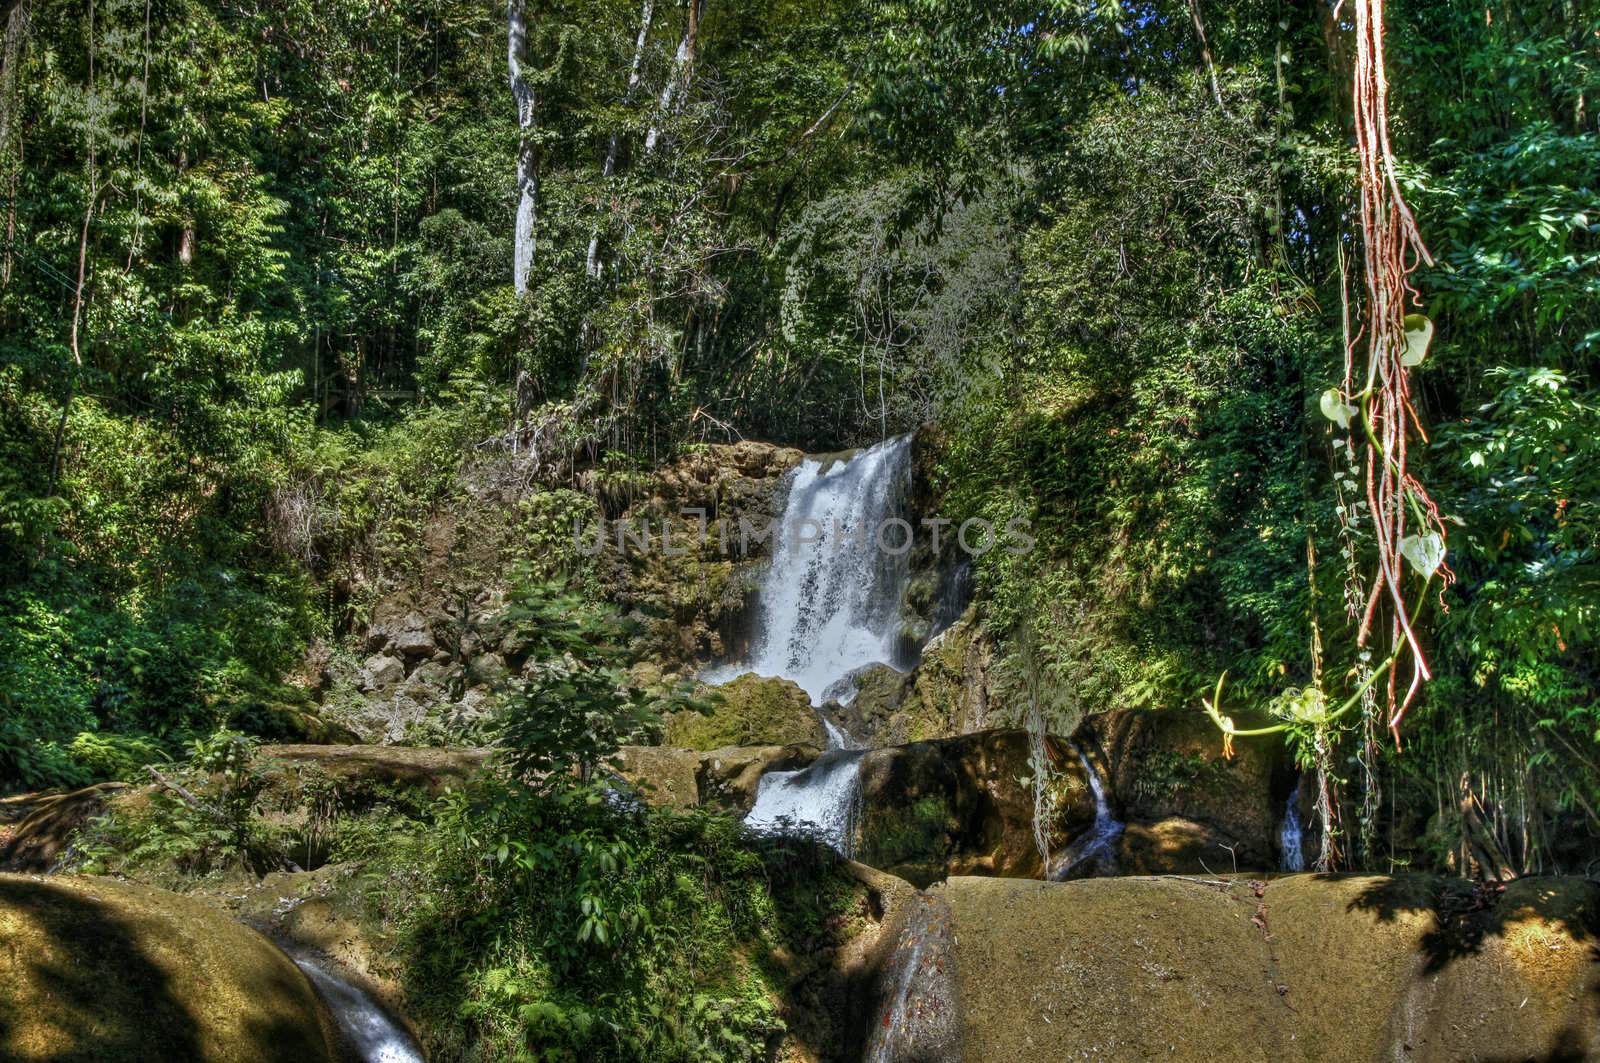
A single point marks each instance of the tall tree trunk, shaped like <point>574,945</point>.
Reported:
<point>16,29</point>
<point>679,78</point>
<point>1205,54</point>
<point>592,264</point>
<point>527,157</point>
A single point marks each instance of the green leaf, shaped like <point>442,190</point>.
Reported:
<point>1419,333</point>
<point>1335,409</point>
<point>1424,552</point>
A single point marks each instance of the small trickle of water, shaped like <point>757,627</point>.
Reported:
<point>823,800</point>
<point>1095,849</point>
<point>1289,836</point>
<point>370,1032</point>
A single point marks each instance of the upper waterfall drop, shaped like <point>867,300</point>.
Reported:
<point>829,601</point>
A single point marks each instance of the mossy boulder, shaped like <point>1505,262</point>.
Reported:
<point>1304,968</point>
<point>750,711</point>
<point>100,971</point>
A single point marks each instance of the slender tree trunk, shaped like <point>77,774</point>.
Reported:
<point>16,29</point>
<point>527,155</point>
<point>74,336</point>
<point>679,79</point>
<point>1205,54</point>
<point>592,264</point>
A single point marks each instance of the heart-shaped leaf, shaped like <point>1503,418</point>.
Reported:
<point>1335,409</point>
<point>1424,552</point>
<point>1419,333</point>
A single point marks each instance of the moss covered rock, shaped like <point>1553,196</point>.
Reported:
<point>101,971</point>
<point>750,711</point>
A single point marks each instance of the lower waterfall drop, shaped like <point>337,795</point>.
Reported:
<point>1290,836</point>
<point>823,800</point>
<point>371,1034</point>
<point>1094,851</point>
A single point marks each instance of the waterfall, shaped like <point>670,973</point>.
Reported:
<point>1095,849</point>
<point>828,605</point>
<point>829,602</point>
<point>367,1029</point>
<point>1292,856</point>
<point>822,801</point>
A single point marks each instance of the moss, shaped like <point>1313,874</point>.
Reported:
<point>750,711</point>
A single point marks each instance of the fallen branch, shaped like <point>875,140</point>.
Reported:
<point>183,794</point>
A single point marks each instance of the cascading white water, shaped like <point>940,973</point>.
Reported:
<point>1095,849</point>
<point>829,602</point>
<point>372,1035</point>
<point>822,800</point>
<point>1292,855</point>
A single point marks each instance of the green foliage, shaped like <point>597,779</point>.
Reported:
<point>577,704</point>
<point>556,925</point>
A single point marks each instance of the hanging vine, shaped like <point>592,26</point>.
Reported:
<point>1384,511</point>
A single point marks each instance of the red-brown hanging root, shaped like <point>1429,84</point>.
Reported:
<point>1392,248</point>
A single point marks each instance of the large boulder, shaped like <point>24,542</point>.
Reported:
<point>1304,968</point>
<point>100,971</point>
<point>750,711</point>
<point>730,778</point>
<point>358,769</point>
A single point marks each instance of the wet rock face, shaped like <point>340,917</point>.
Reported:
<point>1302,969</point>
<point>960,806</point>
<point>1170,764</point>
<point>98,970</point>
<point>951,691</point>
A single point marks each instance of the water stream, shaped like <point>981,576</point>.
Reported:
<point>372,1034</point>
<point>1290,841</point>
<point>1093,851</point>
<point>828,605</point>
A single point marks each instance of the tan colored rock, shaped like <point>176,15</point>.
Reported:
<point>1302,969</point>
<point>100,971</point>
<point>434,769</point>
<point>729,777</point>
<point>668,777</point>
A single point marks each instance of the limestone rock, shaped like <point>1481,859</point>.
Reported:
<point>381,673</point>
<point>1303,969</point>
<point>730,777</point>
<point>95,969</point>
<point>668,777</point>
<point>414,640</point>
